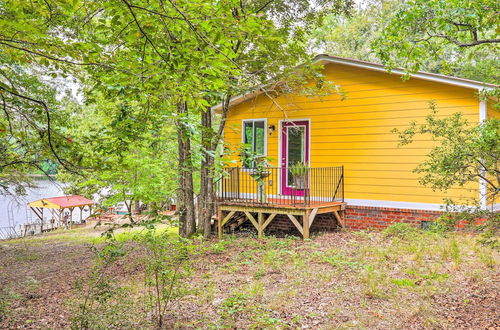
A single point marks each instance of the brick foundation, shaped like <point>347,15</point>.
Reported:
<point>364,217</point>
<point>355,217</point>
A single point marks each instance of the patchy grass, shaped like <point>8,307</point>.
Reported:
<point>89,234</point>
<point>399,278</point>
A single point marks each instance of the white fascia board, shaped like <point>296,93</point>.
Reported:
<point>419,75</point>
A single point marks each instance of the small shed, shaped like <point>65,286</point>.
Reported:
<point>57,205</point>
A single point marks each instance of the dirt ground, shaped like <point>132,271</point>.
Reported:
<point>334,281</point>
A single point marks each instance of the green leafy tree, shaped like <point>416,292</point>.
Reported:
<point>164,58</point>
<point>181,57</point>
<point>36,47</point>
<point>464,153</point>
<point>125,156</point>
<point>32,135</point>
<point>439,30</point>
<point>375,30</point>
<point>351,34</point>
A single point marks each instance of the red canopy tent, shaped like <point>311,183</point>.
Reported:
<point>57,205</point>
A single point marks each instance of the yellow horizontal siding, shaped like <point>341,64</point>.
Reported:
<point>356,132</point>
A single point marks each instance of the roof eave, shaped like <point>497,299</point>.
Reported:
<point>460,82</point>
<point>419,75</point>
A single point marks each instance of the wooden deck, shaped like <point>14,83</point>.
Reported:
<point>266,212</point>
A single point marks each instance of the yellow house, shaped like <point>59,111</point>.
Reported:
<point>352,134</point>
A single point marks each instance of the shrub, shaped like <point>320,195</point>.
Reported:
<point>102,303</point>
<point>167,266</point>
<point>401,230</point>
<point>487,222</point>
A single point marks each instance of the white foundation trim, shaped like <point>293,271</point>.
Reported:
<point>395,205</point>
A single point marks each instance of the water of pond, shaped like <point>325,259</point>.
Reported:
<point>18,209</point>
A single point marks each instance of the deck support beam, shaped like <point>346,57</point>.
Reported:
<point>296,223</point>
<point>312,216</point>
<point>261,222</point>
<point>219,223</point>
<point>339,219</point>
<point>226,219</point>
<point>252,220</point>
<point>305,224</point>
<point>268,220</point>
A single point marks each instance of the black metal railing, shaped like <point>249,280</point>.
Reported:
<point>281,186</point>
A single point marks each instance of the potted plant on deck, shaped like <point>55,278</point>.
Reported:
<point>300,174</point>
<point>259,171</point>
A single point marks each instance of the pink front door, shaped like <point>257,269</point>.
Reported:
<point>294,149</point>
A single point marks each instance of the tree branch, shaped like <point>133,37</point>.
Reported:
<point>466,44</point>
<point>130,8</point>
<point>49,129</point>
<point>50,57</point>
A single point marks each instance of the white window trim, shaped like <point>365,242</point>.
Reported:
<point>243,134</point>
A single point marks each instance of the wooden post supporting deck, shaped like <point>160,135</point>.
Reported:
<point>260,227</point>
<point>219,223</point>
<point>305,224</point>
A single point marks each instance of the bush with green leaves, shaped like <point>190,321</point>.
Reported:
<point>167,262</point>
<point>102,303</point>
<point>465,154</point>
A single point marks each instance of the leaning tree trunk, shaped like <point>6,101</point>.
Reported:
<point>210,141</point>
<point>185,203</point>
<point>206,199</point>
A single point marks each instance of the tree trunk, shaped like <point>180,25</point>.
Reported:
<point>185,195</point>
<point>210,139</point>
<point>206,199</point>
<point>129,208</point>
<point>137,206</point>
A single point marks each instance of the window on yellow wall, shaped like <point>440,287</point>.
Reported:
<point>254,137</point>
